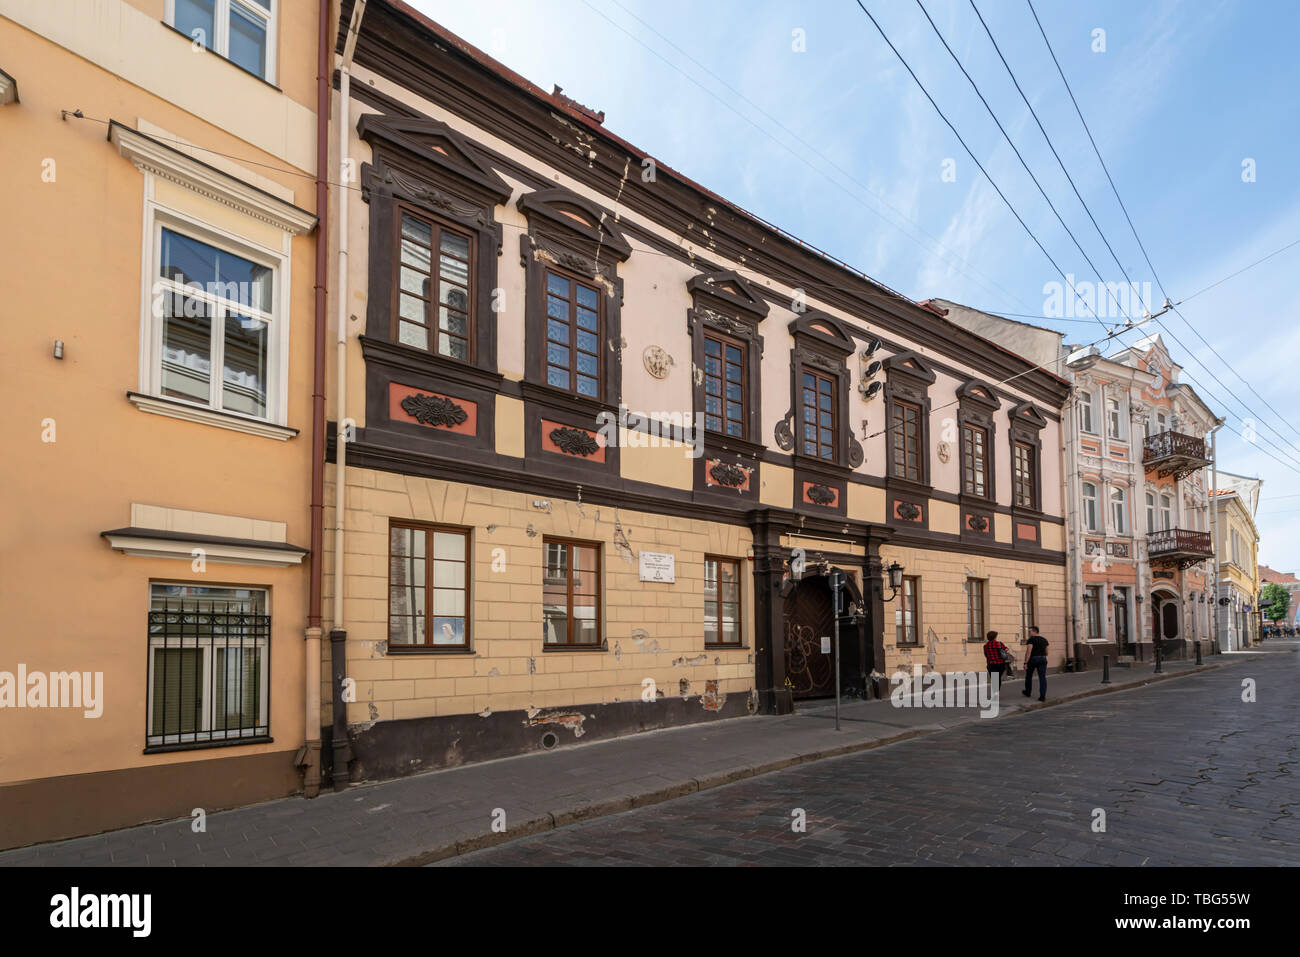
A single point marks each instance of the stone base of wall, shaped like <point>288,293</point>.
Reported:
<point>75,805</point>
<point>392,749</point>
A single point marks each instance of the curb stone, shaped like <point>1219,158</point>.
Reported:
<point>585,812</point>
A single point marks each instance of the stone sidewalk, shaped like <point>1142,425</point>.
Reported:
<point>428,817</point>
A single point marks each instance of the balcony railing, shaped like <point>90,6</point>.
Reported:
<point>1173,453</point>
<point>1179,546</point>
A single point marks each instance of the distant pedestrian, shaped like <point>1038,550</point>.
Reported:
<point>998,658</point>
<point>1036,659</point>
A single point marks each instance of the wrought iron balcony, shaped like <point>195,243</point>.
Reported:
<point>1173,453</point>
<point>1178,546</point>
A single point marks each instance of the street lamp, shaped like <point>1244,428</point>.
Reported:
<point>895,579</point>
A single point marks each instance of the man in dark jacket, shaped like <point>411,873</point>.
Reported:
<point>1036,660</point>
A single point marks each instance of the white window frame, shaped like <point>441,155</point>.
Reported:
<point>220,41</point>
<point>157,216</point>
<point>1085,412</point>
<point>1151,512</point>
<point>1166,512</point>
<point>1090,506</point>
<point>1114,418</point>
<point>1119,509</point>
<point>205,648</point>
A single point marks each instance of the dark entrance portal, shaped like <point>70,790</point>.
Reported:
<point>810,614</point>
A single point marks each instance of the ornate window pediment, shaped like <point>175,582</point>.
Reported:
<point>413,149</point>
<point>573,221</point>
<point>727,292</point>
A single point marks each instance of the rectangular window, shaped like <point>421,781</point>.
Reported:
<point>724,386</point>
<point>573,333</point>
<point>1092,612</point>
<point>907,623</point>
<point>571,594</point>
<point>975,609</point>
<point>216,311</point>
<point>1115,418</point>
<point>434,289</point>
<point>209,665</point>
<point>905,429</point>
<point>1090,506</point>
<point>242,31</point>
<point>1085,412</point>
<point>721,601</point>
<point>428,586</point>
<point>1027,620</point>
<point>974,442</point>
<point>818,405</point>
<point>1023,479</point>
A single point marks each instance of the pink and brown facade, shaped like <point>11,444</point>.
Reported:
<point>604,436</point>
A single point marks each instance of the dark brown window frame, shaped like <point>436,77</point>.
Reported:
<point>983,591</point>
<point>428,647</point>
<point>822,345</point>
<point>819,377</point>
<point>600,643</point>
<point>568,233</point>
<point>450,185</point>
<point>1020,478</point>
<point>1092,612</point>
<point>908,378</point>
<point>575,280</point>
<point>439,225</point>
<point>902,642</point>
<point>726,307</point>
<point>721,560</point>
<point>724,341</point>
<point>1026,426</point>
<point>898,432</point>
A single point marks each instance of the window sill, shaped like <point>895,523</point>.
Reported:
<point>603,646</point>
<point>723,647</point>
<point>401,650</point>
<point>204,416</point>
<point>206,745</point>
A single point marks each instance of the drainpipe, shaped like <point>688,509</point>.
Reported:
<point>338,631</point>
<point>1070,475</point>
<point>311,670</point>
<point>1214,520</point>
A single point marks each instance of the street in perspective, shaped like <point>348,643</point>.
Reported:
<point>602,433</point>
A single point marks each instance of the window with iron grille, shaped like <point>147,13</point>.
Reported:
<point>907,623</point>
<point>724,386</point>
<point>571,594</point>
<point>974,441</point>
<point>209,665</point>
<point>573,329</point>
<point>1024,475</point>
<point>721,601</point>
<point>905,430</point>
<point>975,614</point>
<point>434,291</point>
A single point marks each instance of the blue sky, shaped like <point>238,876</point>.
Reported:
<point>837,145</point>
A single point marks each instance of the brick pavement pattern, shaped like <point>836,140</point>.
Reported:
<point>1185,771</point>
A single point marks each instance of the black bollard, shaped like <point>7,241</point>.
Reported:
<point>1198,654</point>
<point>1159,670</point>
<point>1105,669</point>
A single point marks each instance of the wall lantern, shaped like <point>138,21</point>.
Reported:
<point>895,571</point>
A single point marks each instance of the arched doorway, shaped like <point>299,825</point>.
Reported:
<point>1166,622</point>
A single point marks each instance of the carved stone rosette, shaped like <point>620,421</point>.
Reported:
<point>574,442</point>
<point>434,410</point>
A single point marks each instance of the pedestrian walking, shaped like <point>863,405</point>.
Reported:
<point>998,658</point>
<point>1036,659</point>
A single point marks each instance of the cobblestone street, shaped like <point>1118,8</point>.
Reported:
<point>1185,772</point>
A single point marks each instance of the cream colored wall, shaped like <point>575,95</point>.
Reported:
<point>509,670</point>
<point>943,608</point>
<point>71,257</point>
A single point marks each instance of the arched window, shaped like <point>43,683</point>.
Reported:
<point>1090,506</point>
<point>1118,510</point>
